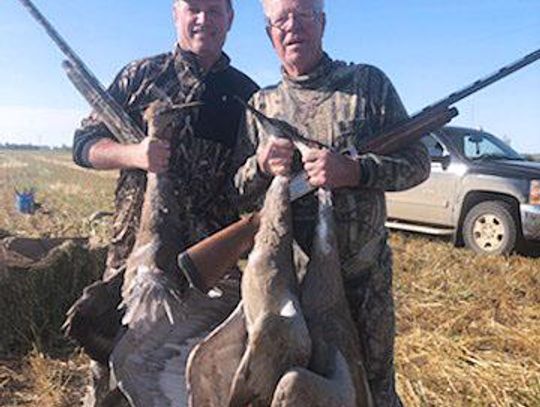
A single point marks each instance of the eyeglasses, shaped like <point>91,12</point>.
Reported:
<point>304,18</point>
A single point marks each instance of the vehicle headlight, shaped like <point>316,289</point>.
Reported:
<point>534,196</point>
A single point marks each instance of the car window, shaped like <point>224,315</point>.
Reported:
<point>435,148</point>
<point>482,145</point>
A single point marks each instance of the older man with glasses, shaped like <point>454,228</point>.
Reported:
<point>341,105</point>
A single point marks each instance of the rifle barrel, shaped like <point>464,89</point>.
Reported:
<point>482,83</point>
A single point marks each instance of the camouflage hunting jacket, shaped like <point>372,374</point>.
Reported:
<point>340,105</point>
<point>201,148</point>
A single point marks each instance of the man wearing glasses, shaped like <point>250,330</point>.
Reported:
<point>199,158</point>
<point>343,106</point>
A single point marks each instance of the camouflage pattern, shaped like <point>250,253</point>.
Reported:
<point>344,105</point>
<point>201,165</point>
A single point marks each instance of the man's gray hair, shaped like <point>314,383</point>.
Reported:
<point>318,6</point>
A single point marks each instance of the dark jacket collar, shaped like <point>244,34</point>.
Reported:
<point>187,59</point>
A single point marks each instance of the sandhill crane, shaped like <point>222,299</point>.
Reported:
<point>277,333</point>
<point>242,361</point>
<point>335,376</point>
<point>164,317</point>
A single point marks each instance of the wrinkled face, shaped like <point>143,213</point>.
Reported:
<point>202,25</point>
<point>296,29</point>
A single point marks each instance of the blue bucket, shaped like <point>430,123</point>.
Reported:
<point>24,202</point>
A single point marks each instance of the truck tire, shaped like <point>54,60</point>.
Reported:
<point>490,228</point>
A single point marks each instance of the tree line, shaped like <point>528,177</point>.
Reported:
<point>33,147</point>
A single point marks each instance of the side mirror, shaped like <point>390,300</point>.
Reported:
<point>443,160</point>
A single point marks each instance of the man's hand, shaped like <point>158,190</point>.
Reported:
<point>275,157</point>
<point>152,155</point>
<point>328,169</point>
<point>149,155</point>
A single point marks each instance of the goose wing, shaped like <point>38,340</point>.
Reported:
<point>149,361</point>
<point>213,362</point>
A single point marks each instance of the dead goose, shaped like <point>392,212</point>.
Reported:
<point>164,318</point>
<point>277,334</point>
<point>336,377</point>
<point>301,387</point>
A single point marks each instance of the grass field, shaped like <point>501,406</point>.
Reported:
<point>68,194</point>
<point>468,326</point>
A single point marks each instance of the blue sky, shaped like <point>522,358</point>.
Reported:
<point>428,48</point>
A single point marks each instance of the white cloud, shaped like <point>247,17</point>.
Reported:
<point>38,125</point>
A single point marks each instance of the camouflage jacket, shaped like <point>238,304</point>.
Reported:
<point>202,148</point>
<point>340,105</point>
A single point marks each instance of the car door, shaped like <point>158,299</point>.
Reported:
<point>432,201</point>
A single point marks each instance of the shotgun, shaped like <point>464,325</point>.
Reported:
<point>206,262</point>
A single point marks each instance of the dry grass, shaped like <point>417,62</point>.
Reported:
<point>468,326</point>
<point>38,380</point>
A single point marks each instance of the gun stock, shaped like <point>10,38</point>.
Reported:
<point>218,253</point>
<point>207,261</point>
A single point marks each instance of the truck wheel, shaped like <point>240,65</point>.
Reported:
<point>490,228</point>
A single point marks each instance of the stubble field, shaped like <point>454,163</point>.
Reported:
<point>468,326</point>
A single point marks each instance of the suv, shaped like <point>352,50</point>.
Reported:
<point>480,191</point>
